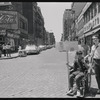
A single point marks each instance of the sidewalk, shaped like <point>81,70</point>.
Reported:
<point>13,55</point>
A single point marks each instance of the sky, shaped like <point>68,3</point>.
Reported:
<point>53,16</point>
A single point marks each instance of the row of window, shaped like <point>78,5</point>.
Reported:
<point>92,11</point>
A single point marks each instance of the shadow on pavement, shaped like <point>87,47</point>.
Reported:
<point>92,93</point>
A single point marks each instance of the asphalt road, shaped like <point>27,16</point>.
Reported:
<point>42,76</point>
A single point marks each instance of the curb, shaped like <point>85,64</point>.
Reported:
<point>9,58</point>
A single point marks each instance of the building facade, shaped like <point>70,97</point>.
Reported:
<point>78,20</point>
<point>67,24</point>
<point>39,22</point>
<point>90,15</point>
<point>15,26</point>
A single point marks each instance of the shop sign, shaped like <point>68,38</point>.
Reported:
<point>14,31</point>
<point>3,32</point>
<point>92,23</point>
<point>5,3</point>
<point>6,18</point>
<point>12,35</point>
<point>15,36</point>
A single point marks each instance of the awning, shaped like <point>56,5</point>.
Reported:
<point>82,36</point>
<point>92,32</point>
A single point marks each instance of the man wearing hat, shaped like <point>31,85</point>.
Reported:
<point>95,56</point>
<point>77,74</point>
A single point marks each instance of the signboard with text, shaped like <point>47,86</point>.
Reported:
<point>7,18</point>
<point>71,45</point>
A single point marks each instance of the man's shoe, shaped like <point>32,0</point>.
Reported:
<point>70,94</point>
<point>98,91</point>
<point>70,91</point>
<point>78,94</point>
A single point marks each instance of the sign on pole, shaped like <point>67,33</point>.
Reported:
<point>71,45</point>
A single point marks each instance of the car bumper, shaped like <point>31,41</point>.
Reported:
<point>32,52</point>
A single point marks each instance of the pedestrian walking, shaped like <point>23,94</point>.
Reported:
<point>19,50</point>
<point>8,50</point>
<point>95,59</point>
<point>4,49</point>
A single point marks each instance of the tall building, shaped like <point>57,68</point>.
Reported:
<point>77,7</point>
<point>39,27</point>
<point>67,20</point>
<point>28,13</point>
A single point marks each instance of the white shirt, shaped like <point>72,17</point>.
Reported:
<point>8,46</point>
<point>96,51</point>
<point>80,48</point>
<point>4,47</point>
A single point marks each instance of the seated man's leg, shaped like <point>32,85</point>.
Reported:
<point>78,78</point>
<point>71,81</point>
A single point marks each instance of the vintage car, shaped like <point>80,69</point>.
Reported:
<point>32,49</point>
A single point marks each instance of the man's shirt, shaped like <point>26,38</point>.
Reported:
<point>95,51</point>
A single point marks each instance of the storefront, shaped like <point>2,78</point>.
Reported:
<point>2,36</point>
<point>13,39</point>
<point>92,28</point>
<point>23,40</point>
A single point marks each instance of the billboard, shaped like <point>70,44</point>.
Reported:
<point>71,45</point>
<point>7,18</point>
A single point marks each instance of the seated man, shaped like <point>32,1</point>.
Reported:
<point>76,74</point>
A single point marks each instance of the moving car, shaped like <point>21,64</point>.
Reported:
<point>32,49</point>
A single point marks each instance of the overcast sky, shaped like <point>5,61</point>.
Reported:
<point>53,16</point>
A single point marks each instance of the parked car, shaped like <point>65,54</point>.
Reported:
<point>32,49</point>
<point>22,53</point>
<point>42,47</point>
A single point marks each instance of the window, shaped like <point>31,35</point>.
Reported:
<point>91,12</point>
<point>98,7</point>
<point>23,25</point>
<point>95,8</point>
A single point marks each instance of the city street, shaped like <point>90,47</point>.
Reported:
<point>43,75</point>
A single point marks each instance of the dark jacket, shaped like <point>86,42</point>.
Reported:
<point>79,65</point>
